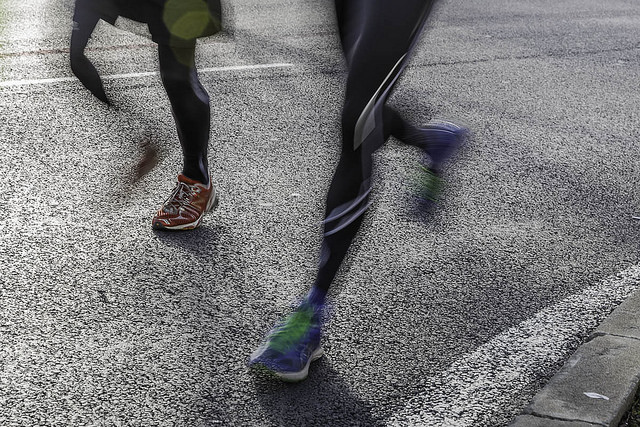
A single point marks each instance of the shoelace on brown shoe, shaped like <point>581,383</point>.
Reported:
<point>181,196</point>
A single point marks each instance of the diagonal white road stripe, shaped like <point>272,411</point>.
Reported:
<point>479,389</point>
<point>13,83</point>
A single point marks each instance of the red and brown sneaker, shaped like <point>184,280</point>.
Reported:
<point>186,206</point>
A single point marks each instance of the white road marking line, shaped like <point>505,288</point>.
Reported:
<point>479,389</point>
<point>13,83</point>
<point>246,67</point>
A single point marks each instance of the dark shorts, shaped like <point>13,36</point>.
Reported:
<point>175,23</point>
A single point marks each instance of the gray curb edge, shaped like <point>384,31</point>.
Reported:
<point>599,382</point>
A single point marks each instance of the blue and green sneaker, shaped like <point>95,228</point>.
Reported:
<point>292,345</point>
<point>439,141</point>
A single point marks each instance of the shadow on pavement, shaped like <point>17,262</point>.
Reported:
<point>193,240</point>
<point>323,399</point>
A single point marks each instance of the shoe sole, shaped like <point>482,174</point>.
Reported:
<point>211,205</point>
<point>290,377</point>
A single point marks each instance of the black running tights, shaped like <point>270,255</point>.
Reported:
<point>377,37</point>
<point>190,107</point>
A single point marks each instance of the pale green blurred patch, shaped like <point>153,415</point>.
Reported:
<point>186,19</point>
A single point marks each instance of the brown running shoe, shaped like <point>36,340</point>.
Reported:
<point>186,206</point>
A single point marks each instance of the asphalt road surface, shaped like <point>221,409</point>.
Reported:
<point>455,319</point>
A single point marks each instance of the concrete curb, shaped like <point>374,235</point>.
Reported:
<point>607,367</point>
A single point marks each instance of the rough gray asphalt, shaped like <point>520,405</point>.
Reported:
<point>105,322</point>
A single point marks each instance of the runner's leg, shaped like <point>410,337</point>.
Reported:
<point>85,19</point>
<point>377,38</point>
<point>190,107</point>
<point>374,65</point>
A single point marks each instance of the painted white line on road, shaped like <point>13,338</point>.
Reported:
<point>12,83</point>
<point>489,386</point>
<point>246,67</point>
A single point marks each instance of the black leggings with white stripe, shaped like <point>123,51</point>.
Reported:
<point>377,37</point>
<point>190,107</point>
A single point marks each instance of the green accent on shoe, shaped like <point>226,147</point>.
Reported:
<point>292,330</point>
<point>428,185</point>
